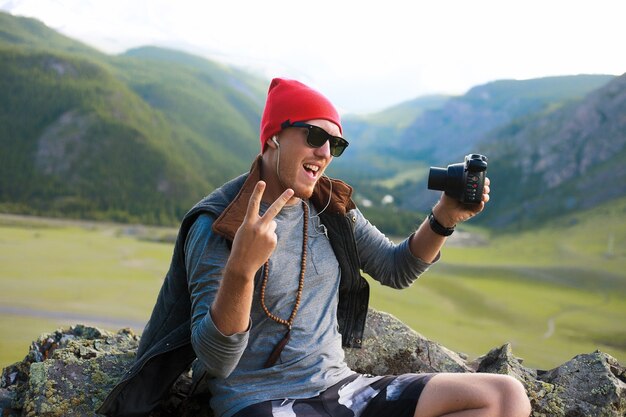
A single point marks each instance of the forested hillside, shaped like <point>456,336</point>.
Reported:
<point>137,137</point>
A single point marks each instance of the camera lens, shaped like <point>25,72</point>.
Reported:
<point>437,178</point>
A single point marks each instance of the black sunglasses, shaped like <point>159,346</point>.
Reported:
<point>317,137</point>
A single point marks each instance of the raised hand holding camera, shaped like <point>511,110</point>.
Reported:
<point>463,181</point>
<point>465,189</point>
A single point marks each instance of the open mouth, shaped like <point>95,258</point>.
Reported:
<point>311,170</point>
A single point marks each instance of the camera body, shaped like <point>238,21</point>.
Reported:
<point>463,181</point>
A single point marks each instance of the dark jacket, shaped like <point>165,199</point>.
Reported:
<point>165,349</point>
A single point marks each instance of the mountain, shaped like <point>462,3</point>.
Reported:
<point>397,153</point>
<point>135,137</point>
<point>218,101</point>
<point>454,129</point>
<point>25,32</point>
<point>570,156</point>
<point>570,159</point>
<point>379,131</point>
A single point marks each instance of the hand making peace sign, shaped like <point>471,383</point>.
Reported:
<point>256,238</point>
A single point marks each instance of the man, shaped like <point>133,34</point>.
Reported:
<point>270,268</point>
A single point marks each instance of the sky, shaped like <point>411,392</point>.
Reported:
<point>364,55</point>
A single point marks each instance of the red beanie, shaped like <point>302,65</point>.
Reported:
<point>291,100</point>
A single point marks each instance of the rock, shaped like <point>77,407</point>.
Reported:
<point>69,372</point>
<point>543,395</point>
<point>390,347</point>
<point>7,400</point>
<point>589,385</point>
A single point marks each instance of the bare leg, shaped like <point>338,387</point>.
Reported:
<point>473,395</point>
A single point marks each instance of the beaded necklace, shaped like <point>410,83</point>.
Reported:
<point>281,345</point>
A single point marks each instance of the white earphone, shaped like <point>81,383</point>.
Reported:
<point>275,141</point>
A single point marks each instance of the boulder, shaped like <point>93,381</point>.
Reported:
<point>69,372</point>
<point>390,347</point>
<point>66,373</point>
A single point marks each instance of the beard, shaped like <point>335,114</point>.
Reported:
<point>291,176</point>
<point>300,191</point>
<point>303,193</point>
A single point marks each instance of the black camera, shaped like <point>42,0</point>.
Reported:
<point>463,181</point>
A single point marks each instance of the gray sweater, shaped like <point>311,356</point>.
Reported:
<point>313,360</point>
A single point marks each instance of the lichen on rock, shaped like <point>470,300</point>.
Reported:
<point>68,372</point>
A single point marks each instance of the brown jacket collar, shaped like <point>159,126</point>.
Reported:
<point>232,217</point>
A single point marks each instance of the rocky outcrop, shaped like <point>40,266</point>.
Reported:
<point>66,373</point>
<point>69,372</point>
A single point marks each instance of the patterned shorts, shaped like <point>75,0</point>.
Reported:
<point>355,396</point>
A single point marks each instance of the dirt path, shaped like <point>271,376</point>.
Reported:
<point>551,322</point>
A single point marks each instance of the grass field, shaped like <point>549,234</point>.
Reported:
<point>56,274</point>
<point>553,293</point>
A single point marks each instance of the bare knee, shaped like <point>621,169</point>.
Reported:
<point>480,394</point>
<point>513,397</point>
<point>507,396</point>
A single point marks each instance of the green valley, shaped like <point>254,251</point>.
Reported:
<point>552,293</point>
